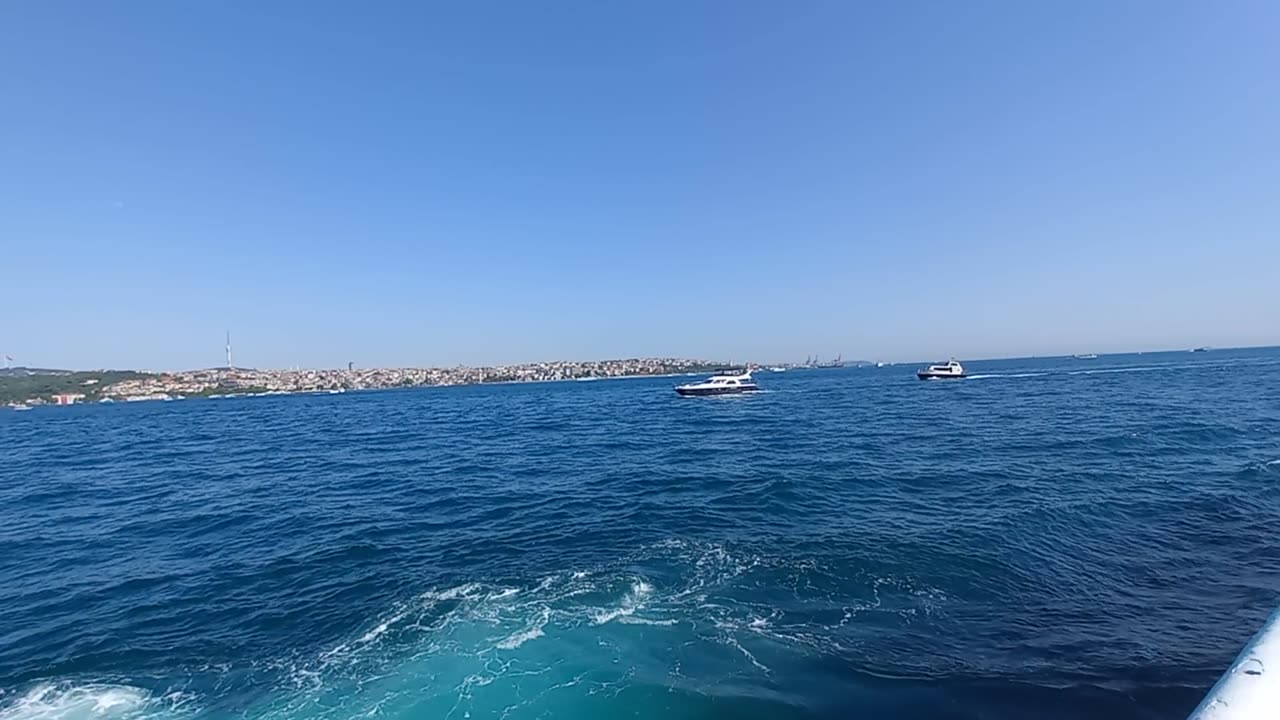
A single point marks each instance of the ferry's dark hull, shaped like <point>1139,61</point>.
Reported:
<point>938,376</point>
<point>702,392</point>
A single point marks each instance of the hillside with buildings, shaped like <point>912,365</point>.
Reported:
<point>57,387</point>
<point>37,386</point>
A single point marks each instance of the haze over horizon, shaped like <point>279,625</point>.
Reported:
<point>728,360</point>
<point>401,185</point>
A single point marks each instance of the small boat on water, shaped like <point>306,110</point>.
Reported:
<point>727,383</point>
<point>20,406</point>
<point>942,371</point>
<point>1087,356</point>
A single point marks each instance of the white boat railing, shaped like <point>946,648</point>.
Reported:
<point>1250,688</point>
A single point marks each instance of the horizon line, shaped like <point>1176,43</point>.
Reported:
<point>848,363</point>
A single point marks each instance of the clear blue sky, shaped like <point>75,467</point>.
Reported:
<point>419,183</point>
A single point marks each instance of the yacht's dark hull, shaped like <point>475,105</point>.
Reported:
<point>701,392</point>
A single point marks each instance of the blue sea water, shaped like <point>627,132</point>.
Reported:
<point>1051,538</point>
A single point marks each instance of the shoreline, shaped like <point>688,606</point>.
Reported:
<point>172,397</point>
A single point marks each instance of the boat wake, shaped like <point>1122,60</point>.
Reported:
<point>1268,467</point>
<point>566,642</point>
<point>1109,371</point>
<point>69,701</point>
<point>1124,369</point>
<point>573,638</point>
<point>987,376</point>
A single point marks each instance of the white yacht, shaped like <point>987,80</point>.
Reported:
<point>942,371</point>
<point>727,383</point>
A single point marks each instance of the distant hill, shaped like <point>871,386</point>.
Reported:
<point>29,371</point>
<point>35,385</point>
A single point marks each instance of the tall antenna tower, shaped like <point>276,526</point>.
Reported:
<point>229,365</point>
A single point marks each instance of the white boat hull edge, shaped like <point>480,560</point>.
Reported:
<point>1250,689</point>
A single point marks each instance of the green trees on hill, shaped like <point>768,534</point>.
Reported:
<point>25,388</point>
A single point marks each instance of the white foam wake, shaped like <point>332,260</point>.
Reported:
<point>504,594</point>
<point>465,591</point>
<point>632,601</point>
<point>1110,371</point>
<point>533,632</point>
<point>62,701</point>
<point>987,376</point>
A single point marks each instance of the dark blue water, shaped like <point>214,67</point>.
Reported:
<point>1050,538</point>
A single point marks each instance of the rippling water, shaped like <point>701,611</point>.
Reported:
<point>1053,538</point>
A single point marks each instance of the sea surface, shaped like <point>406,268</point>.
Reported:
<point>1050,538</point>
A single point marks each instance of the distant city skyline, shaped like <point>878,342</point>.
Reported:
<point>735,181</point>
<point>352,366</point>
